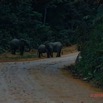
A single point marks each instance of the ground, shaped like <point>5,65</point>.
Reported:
<point>44,81</point>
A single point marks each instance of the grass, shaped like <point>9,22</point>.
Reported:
<point>32,55</point>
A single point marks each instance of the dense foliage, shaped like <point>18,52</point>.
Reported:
<point>42,20</point>
<point>91,65</point>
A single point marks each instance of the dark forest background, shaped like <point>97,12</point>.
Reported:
<point>69,21</point>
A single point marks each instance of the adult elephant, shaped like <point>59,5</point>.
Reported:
<point>53,47</point>
<point>19,44</point>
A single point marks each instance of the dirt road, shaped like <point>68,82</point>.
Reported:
<point>43,81</point>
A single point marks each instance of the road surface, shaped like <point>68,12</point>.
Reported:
<point>43,81</point>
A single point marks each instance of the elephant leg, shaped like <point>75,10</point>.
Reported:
<point>13,52</point>
<point>39,55</point>
<point>48,55</point>
<point>51,54</point>
<point>58,53</point>
<point>42,54</point>
<point>21,50</point>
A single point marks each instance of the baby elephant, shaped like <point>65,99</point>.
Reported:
<point>41,49</point>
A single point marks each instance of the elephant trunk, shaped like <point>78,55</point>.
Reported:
<point>27,45</point>
<point>28,48</point>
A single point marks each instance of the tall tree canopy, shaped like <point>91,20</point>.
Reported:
<point>68,21</point>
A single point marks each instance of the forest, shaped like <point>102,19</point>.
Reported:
<point>69,21</point>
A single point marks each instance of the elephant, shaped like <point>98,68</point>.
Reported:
<point>19,44</point>
<point>41,49</point>
<point>53,47</point>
